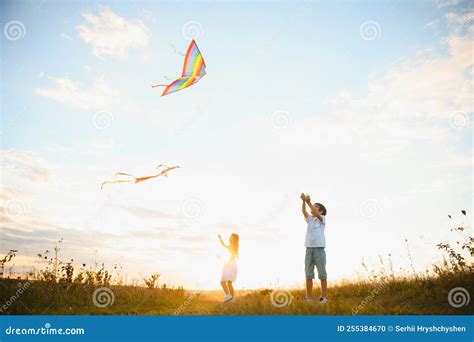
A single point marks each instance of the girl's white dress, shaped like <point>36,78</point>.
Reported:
<point>229,271</point>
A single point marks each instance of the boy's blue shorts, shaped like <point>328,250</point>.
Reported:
<point>315,256</point>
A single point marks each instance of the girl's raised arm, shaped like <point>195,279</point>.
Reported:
<point>222,241</point>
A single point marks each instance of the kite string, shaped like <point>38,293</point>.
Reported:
<point>176,50</point>
<point>158,85</point>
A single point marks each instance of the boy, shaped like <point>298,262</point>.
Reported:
<point>315,244</point>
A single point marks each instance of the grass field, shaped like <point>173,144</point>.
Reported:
<point>63,288</point>
<point>403,296</point>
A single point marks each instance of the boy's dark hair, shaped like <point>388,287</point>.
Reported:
<point>322,208</point>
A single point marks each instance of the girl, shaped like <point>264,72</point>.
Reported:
<point>229,271</point>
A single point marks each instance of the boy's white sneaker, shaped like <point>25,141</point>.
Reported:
<point>323,300</point>
<point>227,298</point>
<point>308,299</point>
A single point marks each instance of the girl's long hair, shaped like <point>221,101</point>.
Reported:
<point>234,244</point>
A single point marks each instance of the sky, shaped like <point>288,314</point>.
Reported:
<point>366,106</point>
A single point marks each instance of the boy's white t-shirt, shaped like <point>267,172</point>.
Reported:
<point>315,232</point>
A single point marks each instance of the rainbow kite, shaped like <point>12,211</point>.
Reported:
<point>194,69</point>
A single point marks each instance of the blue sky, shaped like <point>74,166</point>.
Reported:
<point>302,41</point>
<point>297,97</point>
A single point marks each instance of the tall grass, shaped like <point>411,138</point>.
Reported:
<point>62,287</point>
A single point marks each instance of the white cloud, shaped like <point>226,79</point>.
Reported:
<point>7,193</point>
<point>90,149</point>
<point>425,89</point>
<point>27,164</point>
<point>110,35</point>
<point>458,22</point>
<point>99,96</point>
<point>446,3</point>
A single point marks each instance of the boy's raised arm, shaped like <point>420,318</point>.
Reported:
<point>303,207</point>
<point>314,212</point>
